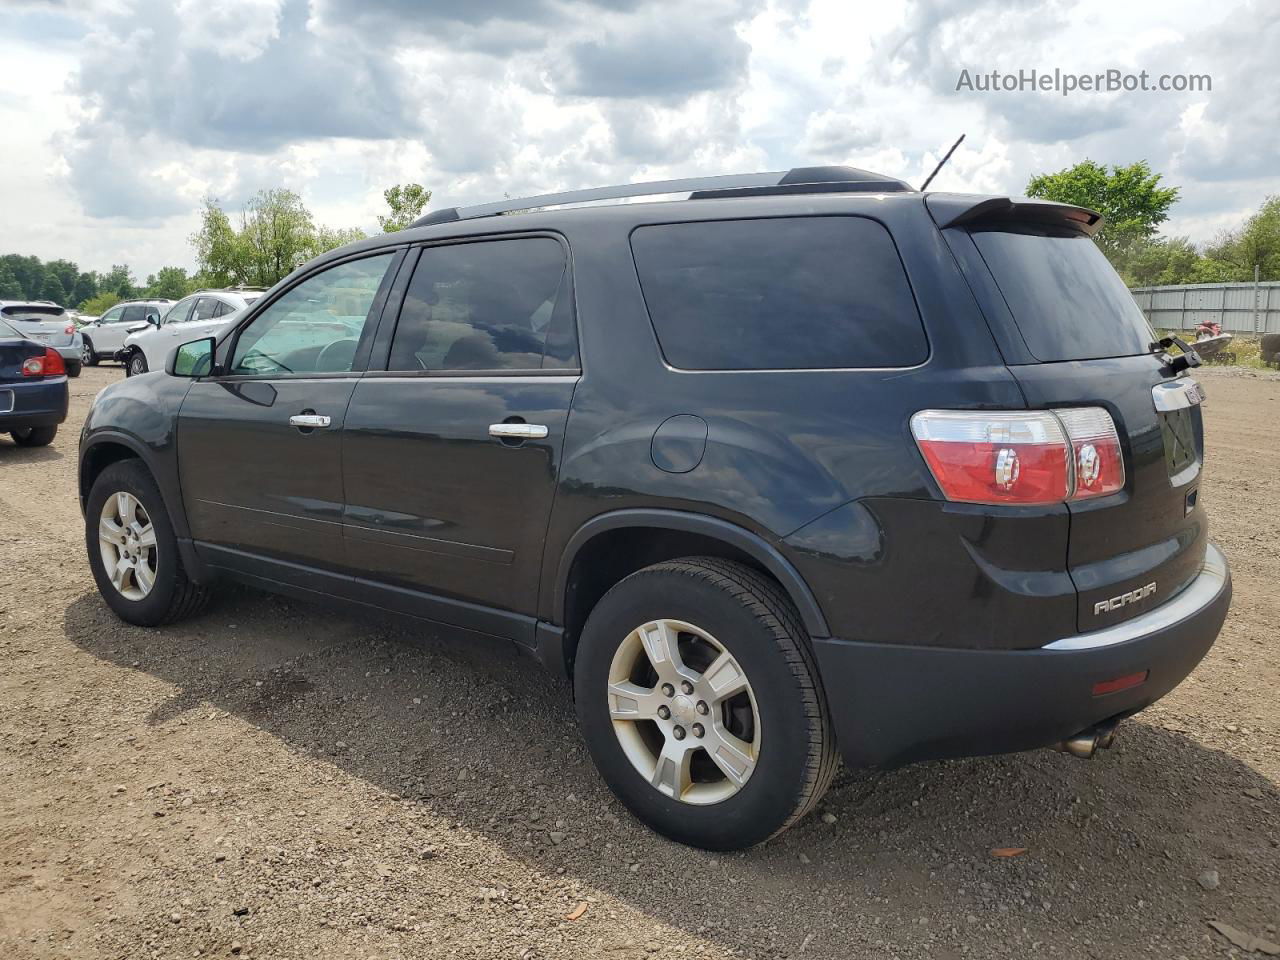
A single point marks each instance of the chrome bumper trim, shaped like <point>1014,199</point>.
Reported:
<point>1197,595</point>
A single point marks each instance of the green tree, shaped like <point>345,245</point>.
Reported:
<point>53,290</point>
<point>10,288</point>
<point>28,271</point>
<point>1256,241</point>
<point>276,234</point>
<point>97,306</point>
<point>406,201</point>
<point>329,238</point>
<point>86,287</point>
<point>169,283</point>
<point>1130,198</point>
<point>119,280</point>
<point>66,272</point>
<point>1164,260</point>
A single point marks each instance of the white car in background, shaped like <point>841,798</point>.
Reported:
<point>204,313</point>
<point>104,336</point>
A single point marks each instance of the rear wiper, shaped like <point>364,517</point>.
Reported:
<point>1188,359</point>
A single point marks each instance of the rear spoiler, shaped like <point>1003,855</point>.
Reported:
<point>965,209</point>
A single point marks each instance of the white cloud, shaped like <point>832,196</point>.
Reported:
<point>125,115</point>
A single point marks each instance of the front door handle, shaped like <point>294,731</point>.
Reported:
<point>517,431</point>
<point>309,421</point>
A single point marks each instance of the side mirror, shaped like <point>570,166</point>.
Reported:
<point>153,319</point>
<point>192,359</point>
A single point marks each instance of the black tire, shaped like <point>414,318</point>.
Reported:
<point>756,623</point>
<point>173,596</point>
<point>88,356</point>
<point>34,436</point>
<point>136,364</point>
<point>73,367</point>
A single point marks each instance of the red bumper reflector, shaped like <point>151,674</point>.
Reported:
<point>1127,682</point>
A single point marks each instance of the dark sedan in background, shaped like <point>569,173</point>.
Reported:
<point>33,388</point>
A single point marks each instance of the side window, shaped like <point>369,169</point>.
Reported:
<point>488,305</point>
<point>789,293</point>
<point>180,312</point>
<point>112,316</point>
<point>206,308</point>
<point>316,325</point>
<point>134,313</point>
<point>222,309</point>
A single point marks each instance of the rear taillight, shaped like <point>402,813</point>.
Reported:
<point>1021,457</point>
<point>1095,451</point>
<point>69,329</point>
<point>48,365</point>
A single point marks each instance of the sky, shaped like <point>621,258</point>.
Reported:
<point>118,117</point>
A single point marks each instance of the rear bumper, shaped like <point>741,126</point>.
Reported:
<point>42,403</point>
<point>893,704</point>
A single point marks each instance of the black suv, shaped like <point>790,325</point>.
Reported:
<point>804,463</point>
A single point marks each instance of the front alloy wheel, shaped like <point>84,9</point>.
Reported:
<point>133,552</point>
<point>87,356</point>
<point>127,541</point>
<point>137,364</point>
<point>684,712</point>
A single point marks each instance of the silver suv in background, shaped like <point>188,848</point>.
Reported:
<point>202,314</point>
<point>47,323</point>
<point>104,336</point>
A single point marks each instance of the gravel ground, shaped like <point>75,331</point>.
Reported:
<point>269,780</point>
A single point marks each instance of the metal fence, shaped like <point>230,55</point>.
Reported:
<point>1249,308</point>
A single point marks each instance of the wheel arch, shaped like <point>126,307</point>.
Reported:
<point>613,545</point>
<point>105,447</point>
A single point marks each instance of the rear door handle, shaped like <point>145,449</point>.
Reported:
<point>518,431</point>
<point>309,420</point>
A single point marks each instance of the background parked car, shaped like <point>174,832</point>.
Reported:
<point>46,322</point>
<point>33,388</point>
<point>203,314</point>
<point>104,337</point>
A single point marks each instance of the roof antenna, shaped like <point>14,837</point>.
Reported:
<point>925,186</point>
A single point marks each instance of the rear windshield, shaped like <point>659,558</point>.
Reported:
<point>34,313</point>
<point>8,331</point>
<point>788,293</point>
<point>1067,300</point>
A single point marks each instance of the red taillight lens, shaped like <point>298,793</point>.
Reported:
<point>1095,450</point>
<point>49,365</point>
<point>1021,457</point>
<point>995,457</point>
<point>70,329</point>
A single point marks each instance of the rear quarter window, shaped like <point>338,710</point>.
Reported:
<point>789,293</point>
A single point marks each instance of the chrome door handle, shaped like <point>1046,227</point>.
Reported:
<point>518,431</point>
<point>309,420</point>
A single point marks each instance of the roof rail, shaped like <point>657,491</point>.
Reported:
<point>797,180</point>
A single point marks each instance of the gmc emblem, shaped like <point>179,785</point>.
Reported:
<point>1115,603</point>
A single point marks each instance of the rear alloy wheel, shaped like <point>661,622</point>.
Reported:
<point>678,700</point>
<point>87,355</point>
<point>137,364</point>
<point>133,552</point>
<point>34,436</point>
<point>700,702</point>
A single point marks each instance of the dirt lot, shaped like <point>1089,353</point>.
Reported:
<point>272,781</point>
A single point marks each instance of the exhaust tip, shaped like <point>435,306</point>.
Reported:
<point>1085,744</point>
